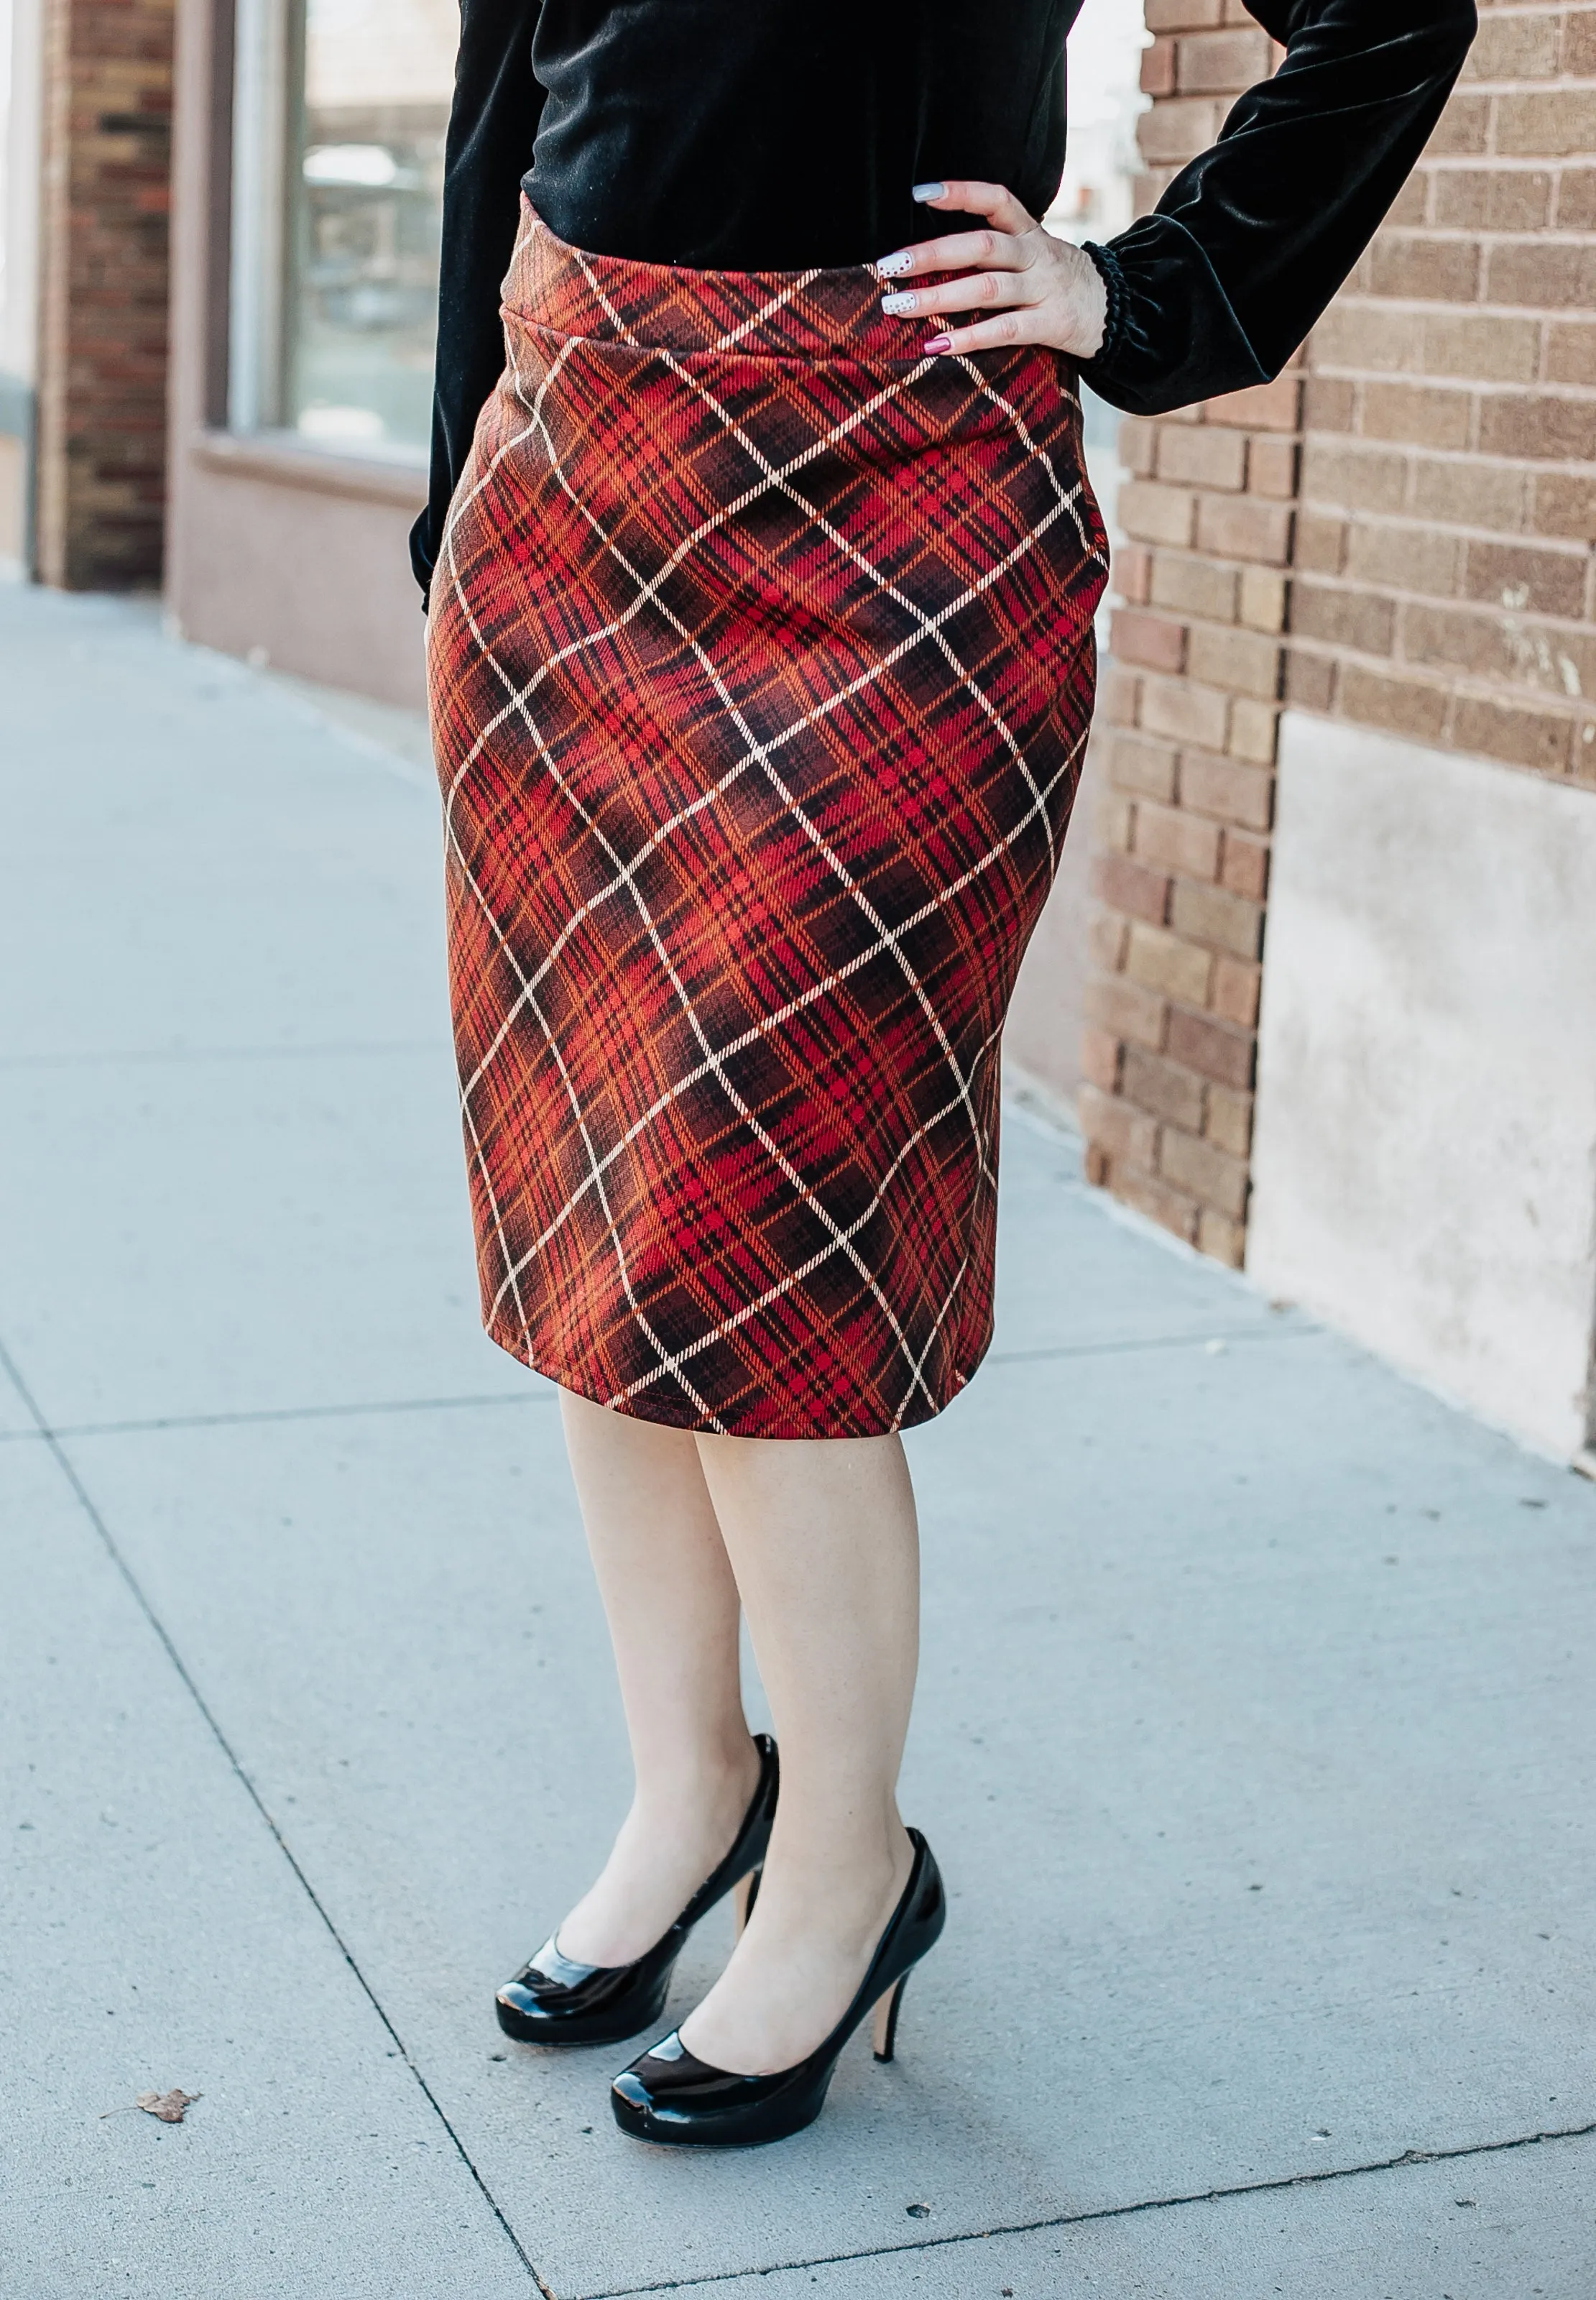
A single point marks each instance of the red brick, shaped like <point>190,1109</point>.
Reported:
<point>1204,1045</point>
<point>1213,915</point>
<point>1518,733</point>
<point>1343,618</point>
<point>1246,663</point>
<point>1235,992</point>
<point>1493,199</point>
<point>1542,426</point>
<point>1133,572</point>
<point>1262,406</point>
<point>1230,1120</point>
<point>1114,1126</point>
<point>1193,454</point>
<point>1272,467</point>
<point>1551,120</point>
<point>1149,1197</point>
<point>1220,1237</point>
<point>1510,575</point>
<point>1222,63</point>
<point>1244,867</point>
<point>1204,1171</point>
<point>1107,934</point>
<point>1166,1088</point>
<point>1100,1059</point>
<point>1262,604</point>
<point>1402,707</point>
<point>1130,1010</point>
<point>1193,587</point>
<point>1165,962</point>
<point>1184,712</point>
<point>1227,790</point>
<point>1136,764</point>
<point>1156,514</point>
<point>1244,527</point>
<point>1149,639</point>
<point>1309,680</point>
<point>1130,888</point>
<point>1182,844</point>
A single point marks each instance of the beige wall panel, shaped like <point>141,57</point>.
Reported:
<point>320,582</point>
<point>1426,1163</point>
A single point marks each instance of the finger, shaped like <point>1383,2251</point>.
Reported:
<point>1009,328</point>
<point>964,251</point>
<point>966,295</point>
<point>995,202</point>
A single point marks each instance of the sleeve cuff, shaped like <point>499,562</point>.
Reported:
<point>1111,273</point>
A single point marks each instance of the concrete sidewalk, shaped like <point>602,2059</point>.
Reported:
<point>1254,1734</point>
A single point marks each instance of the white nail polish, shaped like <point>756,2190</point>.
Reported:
<point>891,265</point>
<point>930,191</point>
<point>907,302</point>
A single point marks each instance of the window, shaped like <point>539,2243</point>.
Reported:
<point>340,113</point>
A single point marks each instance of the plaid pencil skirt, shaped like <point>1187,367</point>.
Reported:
<point>761,665</point>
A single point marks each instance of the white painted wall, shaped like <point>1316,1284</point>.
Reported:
<point>1426,1163</point>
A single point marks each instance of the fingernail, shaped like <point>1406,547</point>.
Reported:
<point>930,191</point>
<point>909,302</point>
<point>891,265</point>
<point>935,344</point>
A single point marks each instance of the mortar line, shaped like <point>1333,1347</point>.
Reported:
<point>1111,2212</point>
<point>136,1590</point>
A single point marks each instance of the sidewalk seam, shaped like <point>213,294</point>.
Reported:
<point>1112,2212</point>
<point>69,1470</point>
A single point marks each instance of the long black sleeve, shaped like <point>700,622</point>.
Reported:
<point>497,104</point>
<point>1217,287</point>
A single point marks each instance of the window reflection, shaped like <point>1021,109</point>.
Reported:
<point>365,190</point>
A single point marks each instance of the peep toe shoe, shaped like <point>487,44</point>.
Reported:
<point>554,2000</point>
<point>667,2096</point>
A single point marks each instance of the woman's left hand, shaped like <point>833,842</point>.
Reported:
<point>1046,291</point>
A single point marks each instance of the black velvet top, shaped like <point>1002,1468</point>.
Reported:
<point>777,134</point>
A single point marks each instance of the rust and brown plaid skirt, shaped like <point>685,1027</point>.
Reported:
<point>762,666</point>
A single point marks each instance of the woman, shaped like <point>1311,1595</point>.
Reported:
<point>761,571</point>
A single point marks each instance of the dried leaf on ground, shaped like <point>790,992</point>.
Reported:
<point>168,2106</point>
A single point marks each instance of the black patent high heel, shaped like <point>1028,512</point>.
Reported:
<point>554,2000</point>
<point>669,2096</point>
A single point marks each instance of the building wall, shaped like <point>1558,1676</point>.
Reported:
<point>21,27</point>
<point>282,552</point>
<point>1425,1162</point>
<point>1395,536</point>
<point>103,292</point>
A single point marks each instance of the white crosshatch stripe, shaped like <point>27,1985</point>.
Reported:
<point>623,881</point>
<point>931,627</point>
<point>756,752</point>
<point>891,937</point>
<point>767,1142</point>
<point>773,1294</point>
<point>782,1014</point>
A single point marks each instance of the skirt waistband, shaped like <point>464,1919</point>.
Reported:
<point>798,315</point>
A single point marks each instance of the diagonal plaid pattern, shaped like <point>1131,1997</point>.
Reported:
<point>761,667</point>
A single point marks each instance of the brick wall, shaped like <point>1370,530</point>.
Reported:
<point>1189,712</point>
<point>1398,531</point>
<point>103,342</point>
<point>1444,585</point>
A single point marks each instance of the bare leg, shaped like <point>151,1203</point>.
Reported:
<point>822,1538</point>
<point>673,1611</point>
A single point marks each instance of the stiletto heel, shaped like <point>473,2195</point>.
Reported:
<point>669,2096</point>
<point>554,2000</point>
<point>745,1892</point>
<point>886,2020</point>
